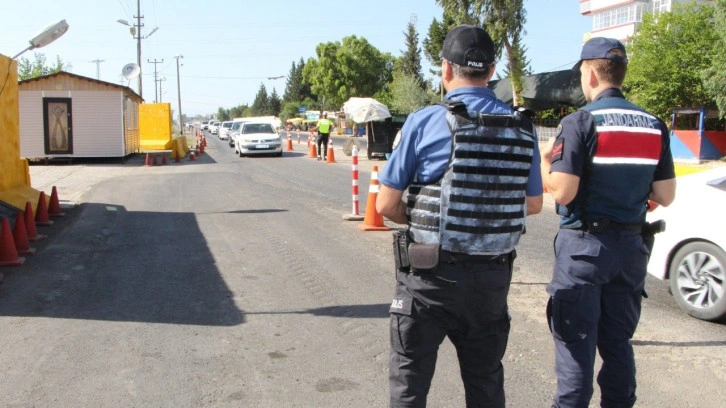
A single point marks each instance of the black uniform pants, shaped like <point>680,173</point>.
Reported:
<point>323,140</point>
<point>465,299</point>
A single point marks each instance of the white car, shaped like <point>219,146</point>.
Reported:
<point>214,127</point>
<point>224,128</point>
<point>691,251</point>
<point>257,138</point>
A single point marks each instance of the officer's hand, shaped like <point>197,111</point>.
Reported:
<point>546,151</point>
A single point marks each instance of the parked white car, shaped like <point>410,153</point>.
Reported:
<point>691,252</point>
<point>258,138</point>
<point>224,128</point>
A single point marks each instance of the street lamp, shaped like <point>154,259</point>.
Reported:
<point>136,35</point>
<point>46,36</point>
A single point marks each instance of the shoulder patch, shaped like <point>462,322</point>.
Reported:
<point>558,147</point>
<point>397,140</point>
<point>558,130</point>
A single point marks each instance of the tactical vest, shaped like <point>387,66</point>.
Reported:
<point>478,207</point>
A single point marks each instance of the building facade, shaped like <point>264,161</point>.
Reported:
<point>619,18</point>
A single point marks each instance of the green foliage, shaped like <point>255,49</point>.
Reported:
<point>714,78</point>
<point>434,42</point>
<point>410,61</point>
<point>342,70</point>
<point>668,55</point>
<point>32,69</point>
<point>240,111</point>
<point>504,21</point>
<point>222,114</point>
<point>261,104</point>
<point>296,89</point>
<point>289,110</point>
<point>274,103</point>
<point>406,94</point>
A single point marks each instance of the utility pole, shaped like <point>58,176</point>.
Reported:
<point>155,61</point>
<point>98,67</point>
<point>138,18</point>
<point>178,93</point>
<point>160,81</point>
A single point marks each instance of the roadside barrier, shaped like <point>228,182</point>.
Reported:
<point>30,224</point>
<point>54,209</point>
<point>331,152</point>
<point>373,221</point>
<point>20,236</point>
<point>8,252</point>
<point>41,212</point>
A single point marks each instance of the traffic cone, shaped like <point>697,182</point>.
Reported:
<point>54,204</point>
<point>313,151</point>
<point>148,160</point>
<point>8,251</point>
<point>331,154</point>
<point>373,221</point>
<point>41,213</point>
<point>201,148</point>
<point>289,143</point>
<point>30,224</point>
<point>20,236</point>
<point>192,156</point>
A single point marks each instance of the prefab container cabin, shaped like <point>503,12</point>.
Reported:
<point>65,115</point>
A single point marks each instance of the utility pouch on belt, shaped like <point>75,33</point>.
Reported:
<point>649,231</point>
<point>423,256</point>
<point>400,250</point>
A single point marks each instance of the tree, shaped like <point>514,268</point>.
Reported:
<point>668,53</point>
<point>274,103</point>
<point>410,61</point>
<point>38,67</point>
<point>296,89</point>
<point>222,114</point>
<point>714,77</point>
<point>260,106</point>
<point>504,21</point>
<point>407,95</point>
<point>351,68</point>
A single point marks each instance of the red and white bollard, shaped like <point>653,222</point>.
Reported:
<point>355,216</point>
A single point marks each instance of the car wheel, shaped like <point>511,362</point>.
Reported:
<point>697,273</point>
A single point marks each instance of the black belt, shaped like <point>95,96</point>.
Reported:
<point>607,225</point>
<point>459,258</point>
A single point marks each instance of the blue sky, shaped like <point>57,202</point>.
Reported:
<point>230,47</point>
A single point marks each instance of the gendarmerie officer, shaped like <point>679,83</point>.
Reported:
<point>606,161</point>
<point>471,168</point>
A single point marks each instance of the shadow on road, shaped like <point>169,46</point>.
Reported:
<point>102,262</point>
<point>349,311</point>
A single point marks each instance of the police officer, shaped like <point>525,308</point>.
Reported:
<point>323,127</point>
<point>606,161</point>
<point>471,179</point>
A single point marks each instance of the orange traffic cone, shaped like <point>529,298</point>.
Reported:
<point>148,160</point>
<point>8,251</point>
<point>20,235</point>
<point>313,151</point>
<point>41,213</point>
<point>373,221</point>
<point>30,224</point>
<point>192,156</point>
<point>331,154</point>
<point>289,143</point>
<point>54,205</point>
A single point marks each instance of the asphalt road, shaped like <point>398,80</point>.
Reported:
<point>235,282</point>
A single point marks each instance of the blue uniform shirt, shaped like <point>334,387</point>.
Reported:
<point>425,144</point>
<point>617,149</point>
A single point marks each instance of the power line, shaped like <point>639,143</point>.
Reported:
<point>155,75</point>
